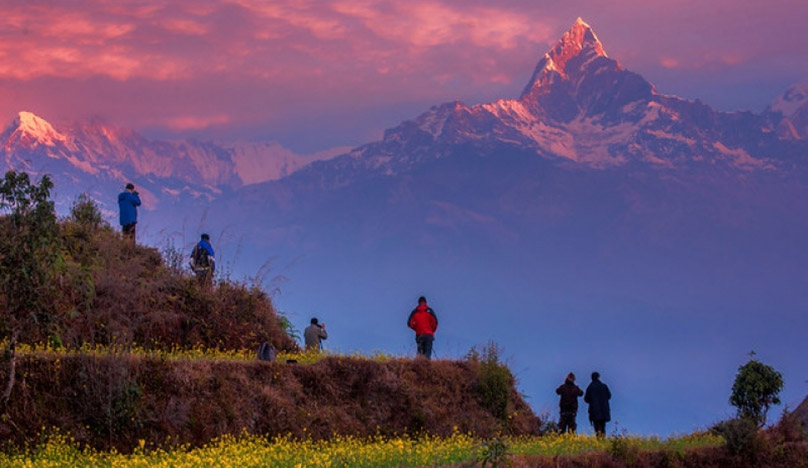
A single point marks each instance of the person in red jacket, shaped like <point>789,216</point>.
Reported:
<point>424,321</point>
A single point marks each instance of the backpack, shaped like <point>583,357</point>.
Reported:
<point>199,258</point>
<point>266,352</point>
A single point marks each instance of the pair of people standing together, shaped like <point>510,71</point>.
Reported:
<point>597,396</point>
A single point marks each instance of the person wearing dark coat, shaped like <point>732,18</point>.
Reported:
<point>598,396</point>
<point>569,404</point>
<point>128,201</point>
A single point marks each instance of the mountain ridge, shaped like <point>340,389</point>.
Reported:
<point>580,110</point>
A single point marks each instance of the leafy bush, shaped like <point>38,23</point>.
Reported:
<point>741,435</point>
<point>494,388</point>
<point>494,453</point>
<point>29,253</point>
<point>624,449</point>
<point>85,212</point>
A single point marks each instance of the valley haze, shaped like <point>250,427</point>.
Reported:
<point>591,222</point>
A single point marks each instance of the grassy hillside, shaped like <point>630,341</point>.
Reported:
<point>106,291</point>
<point>92,351</point>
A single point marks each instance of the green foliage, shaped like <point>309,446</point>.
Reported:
<point>175,259</point>
<point>85,212</point>
<point>28,250</point>
<point>547,424</point>
<point>741,435</point>
<point>494,453</point>
<point>623,448</point>
<point>494,389</point>
<point>756,388</point>
<point>288,326</point>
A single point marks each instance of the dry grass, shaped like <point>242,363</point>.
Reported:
<point>114,400</point>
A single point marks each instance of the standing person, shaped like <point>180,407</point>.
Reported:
<point>128,201</point>
<point>314,334</point>
<point>203,261</point>
<point>598,395</point>
<point>569,404</point>
<point>424,321</point>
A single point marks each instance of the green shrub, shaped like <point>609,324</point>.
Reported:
<point>741,435</point>
<point>494,453</point>
<point>86,213</point>
<point>624,449</point>
<point>495,380</point>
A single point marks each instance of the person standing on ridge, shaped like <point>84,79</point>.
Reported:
<point>424,321</point>
<point>598,396</point>
<point>203,261</point>
<point>569,404</point>
<point>314,334</point>
<point>128,201</point>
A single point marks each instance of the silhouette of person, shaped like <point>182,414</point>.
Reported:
<point>569,404</point>
<point>598,396</point>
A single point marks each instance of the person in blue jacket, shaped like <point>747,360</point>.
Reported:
<point>128,201</point>
<point>203,261</point>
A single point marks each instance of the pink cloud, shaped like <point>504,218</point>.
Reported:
<point>191,122</point>
<point>185,26</point>
<point>428,23</point>
<point>669,62</point>
<point>254,60</point>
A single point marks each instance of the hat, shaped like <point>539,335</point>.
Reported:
<point>130,186</point>
<point>421,299</point>
<point>571,377</point>
<point>205,236</point>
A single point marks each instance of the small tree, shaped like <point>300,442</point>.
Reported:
<point>85,212</point>
<point>756,388</point>
<point>28,250</point>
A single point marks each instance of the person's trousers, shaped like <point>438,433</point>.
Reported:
<point>424,343</point>
<point>128,231</point>
<point>600,427</point>
<point>567,422</point>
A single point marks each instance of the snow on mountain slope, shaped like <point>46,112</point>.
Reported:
<point>790,111</point>
<point>792,100</point>
<point>260,162</point>
<point>98,149</point>
<point>582,106</point>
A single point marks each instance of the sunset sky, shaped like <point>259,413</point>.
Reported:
<point>319,74</point>
<point>322,75</point>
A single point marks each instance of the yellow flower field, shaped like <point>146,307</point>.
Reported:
<point>347,452</point>
<point>178,353</point>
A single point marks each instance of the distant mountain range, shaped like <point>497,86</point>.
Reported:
<point>97,158</point>
<point>581,115</point>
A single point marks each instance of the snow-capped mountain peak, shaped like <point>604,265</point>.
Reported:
<point>579,39</point>
<point>791,101</point>
<point>30,130</point>
<point>790,112</point>
<point>579,46</point>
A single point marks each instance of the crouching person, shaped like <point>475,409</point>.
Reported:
<point>203,262</point>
